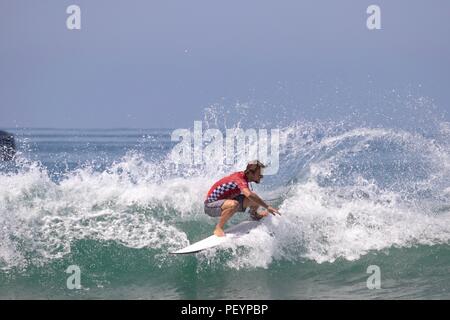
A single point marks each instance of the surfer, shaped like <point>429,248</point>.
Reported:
<point>232,194</point>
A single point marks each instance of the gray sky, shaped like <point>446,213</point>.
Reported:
<point>149,64</point>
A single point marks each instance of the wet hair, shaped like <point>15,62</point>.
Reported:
<point>252,166</point>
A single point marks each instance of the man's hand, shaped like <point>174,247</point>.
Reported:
<point>273,210</point>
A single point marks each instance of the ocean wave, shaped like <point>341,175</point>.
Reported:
<point>343,192</point>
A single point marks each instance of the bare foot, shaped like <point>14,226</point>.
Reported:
<point>219,232</point>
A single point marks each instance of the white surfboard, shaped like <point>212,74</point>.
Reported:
<point>213,241</point>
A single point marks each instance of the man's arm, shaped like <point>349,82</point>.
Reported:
<point>256,199</point>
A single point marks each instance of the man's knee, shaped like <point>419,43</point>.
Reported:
<point>232,204</point>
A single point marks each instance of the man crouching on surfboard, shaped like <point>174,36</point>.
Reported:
<point>232,194</point>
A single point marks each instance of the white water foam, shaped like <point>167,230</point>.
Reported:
<point>124,204</point>
<point>325,222</point>
<point>137,203</point>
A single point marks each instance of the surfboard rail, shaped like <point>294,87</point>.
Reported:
<point>212,241</point>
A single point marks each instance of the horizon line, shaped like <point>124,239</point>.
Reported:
<point>88,128</point>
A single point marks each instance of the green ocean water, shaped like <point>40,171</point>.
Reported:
<point>110,271</point>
